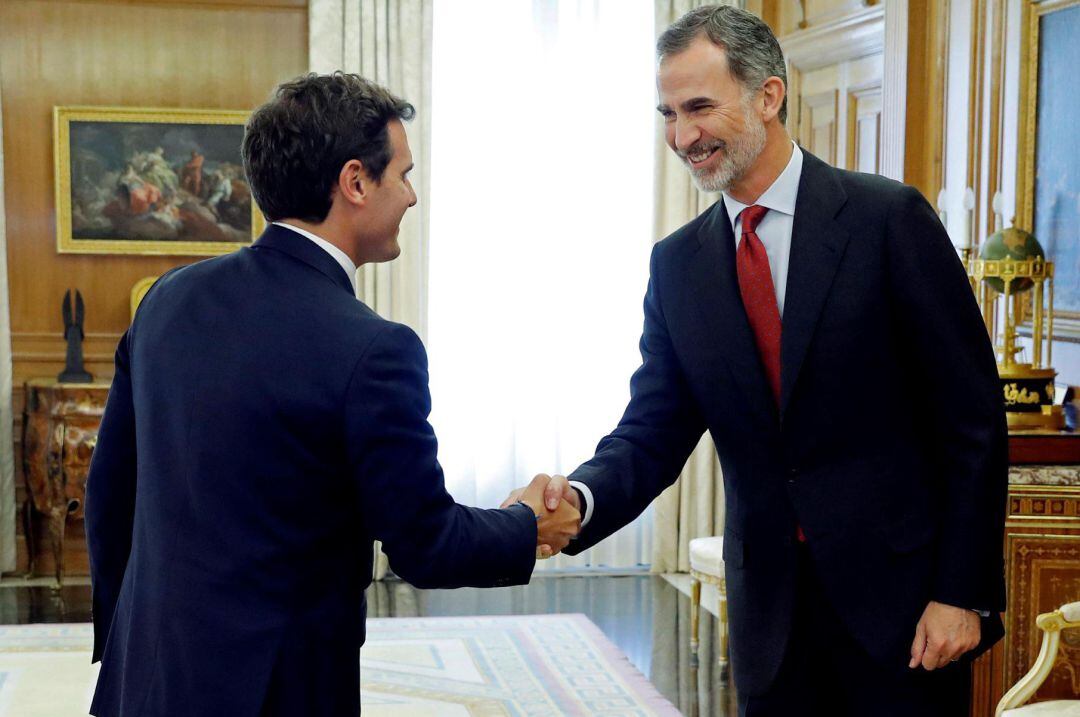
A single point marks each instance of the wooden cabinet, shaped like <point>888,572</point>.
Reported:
<point>60,427</point>
<point>1042,568</point>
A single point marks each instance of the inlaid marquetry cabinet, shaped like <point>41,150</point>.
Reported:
<point>1042,569</point>
<point>60,428</point>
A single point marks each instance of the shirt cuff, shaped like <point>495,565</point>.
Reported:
<point>587,495</point>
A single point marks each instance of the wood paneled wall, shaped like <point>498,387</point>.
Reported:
<point>926,75</point>
<point>215,54</point>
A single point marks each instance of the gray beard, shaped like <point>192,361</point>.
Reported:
<point>738,157</point>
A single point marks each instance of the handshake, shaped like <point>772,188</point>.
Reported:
<point>557,508</point>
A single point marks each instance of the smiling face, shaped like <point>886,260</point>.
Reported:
<point>388,200</point>
<point>711,120</point>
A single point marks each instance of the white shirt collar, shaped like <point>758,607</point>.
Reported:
<point>781,194</point>
<point>339,256</point>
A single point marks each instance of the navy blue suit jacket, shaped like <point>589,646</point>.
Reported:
<point>889,444</point>
<point>263,429</point>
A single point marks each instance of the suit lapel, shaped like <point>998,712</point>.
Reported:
<point>715,285</point>
<point>817,245</point>
<point>300,247</point>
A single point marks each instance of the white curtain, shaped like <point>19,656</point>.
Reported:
<point>694,506</point>
<point>388,42</point>
<point>541,212</point>
<point>7,446</point>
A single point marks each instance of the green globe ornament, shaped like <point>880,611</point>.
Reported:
<point>1017,245</point>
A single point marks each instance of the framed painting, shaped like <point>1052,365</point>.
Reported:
<point>151,181</point>
<point>1048,195</point>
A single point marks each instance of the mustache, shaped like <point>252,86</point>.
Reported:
<point>699,147</point>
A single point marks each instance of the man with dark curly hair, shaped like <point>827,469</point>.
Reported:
<point>264,428</point>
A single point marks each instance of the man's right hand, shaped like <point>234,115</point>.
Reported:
<point>558,508</point>
<point>558,488</point>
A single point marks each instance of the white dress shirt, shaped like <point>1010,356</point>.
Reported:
<point>774,232</point>
<point>338,255</point>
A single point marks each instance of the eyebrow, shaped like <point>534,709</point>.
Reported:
<point>688,104</point>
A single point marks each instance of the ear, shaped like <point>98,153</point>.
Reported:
<point>772,94</point>
<point>353,184</point>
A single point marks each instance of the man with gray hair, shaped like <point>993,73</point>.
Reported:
<point>862,550</point>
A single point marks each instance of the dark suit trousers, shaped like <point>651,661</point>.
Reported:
<point>825,672</point>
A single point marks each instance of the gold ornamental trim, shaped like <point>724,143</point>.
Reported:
<point>1049,417</point>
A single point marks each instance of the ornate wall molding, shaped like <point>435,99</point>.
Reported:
<point>7,454</point>
<point>51,347</point>
<point>849,37</point>
<point>894,90</point>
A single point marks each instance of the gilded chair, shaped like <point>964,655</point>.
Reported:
<point>1012,704</point>
<point>707,566</point>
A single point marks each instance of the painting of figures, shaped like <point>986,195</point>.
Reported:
<point>151,181</point>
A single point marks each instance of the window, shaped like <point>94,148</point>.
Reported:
<point>541,227</point>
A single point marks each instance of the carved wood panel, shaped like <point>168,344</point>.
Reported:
<point>1043,574</point>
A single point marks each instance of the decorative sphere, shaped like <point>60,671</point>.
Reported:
<point>1015,244</point>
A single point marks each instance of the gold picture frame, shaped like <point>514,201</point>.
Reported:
<point>1066,316</point>
<point>151,181</point>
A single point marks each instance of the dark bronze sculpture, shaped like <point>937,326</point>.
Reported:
<point>73,331</point>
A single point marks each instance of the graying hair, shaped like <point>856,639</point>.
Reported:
<point>753,54</point>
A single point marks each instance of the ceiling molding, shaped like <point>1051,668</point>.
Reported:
<point>850,37</point>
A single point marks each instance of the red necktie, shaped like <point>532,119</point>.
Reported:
<point>759,300</point>
<point>759,296</point>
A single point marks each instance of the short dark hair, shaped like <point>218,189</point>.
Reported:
<point>296,144</point>
<point>753,53</point>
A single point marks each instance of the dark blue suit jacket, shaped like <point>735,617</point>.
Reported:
<point>263,429</point>
<point>889,446</point>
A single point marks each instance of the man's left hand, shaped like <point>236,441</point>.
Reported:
<point>943,634</point>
